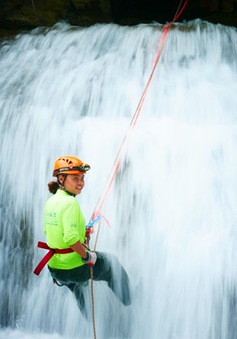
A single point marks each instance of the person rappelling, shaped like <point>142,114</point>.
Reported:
<point>69,258</point>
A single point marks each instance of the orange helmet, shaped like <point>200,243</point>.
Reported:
<point>69,165</point>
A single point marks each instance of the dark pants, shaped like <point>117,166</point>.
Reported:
<point>107,268</point>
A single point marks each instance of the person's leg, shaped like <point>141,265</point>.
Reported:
<point>109,269</point>
<point>75,275</point>
<point>77,290</point>
<point>75,280</point>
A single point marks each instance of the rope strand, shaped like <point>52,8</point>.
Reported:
<point>121,151</point>
<point>92,303</point>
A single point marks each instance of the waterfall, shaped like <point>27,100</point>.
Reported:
<point>172,208</point>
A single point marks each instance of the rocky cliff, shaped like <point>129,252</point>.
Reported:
<point>19,15</point>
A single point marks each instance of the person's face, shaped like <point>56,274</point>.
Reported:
<point>74,183</point>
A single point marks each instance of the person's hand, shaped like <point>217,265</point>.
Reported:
<point>90,258</point>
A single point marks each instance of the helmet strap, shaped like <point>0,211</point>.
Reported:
<point>61,185</point>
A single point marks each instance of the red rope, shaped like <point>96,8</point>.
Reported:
<point>179,12</point>
<point>122,149</point>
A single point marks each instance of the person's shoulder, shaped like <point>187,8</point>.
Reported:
<point>62,196</point>
<point>67,198</point>
<point>71,199</point>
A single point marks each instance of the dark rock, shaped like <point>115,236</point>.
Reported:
<point>19,15</point>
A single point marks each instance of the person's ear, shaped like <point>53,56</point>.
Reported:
<point>61,179</point>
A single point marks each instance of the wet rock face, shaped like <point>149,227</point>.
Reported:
<point>18,15</point>
<point>33,13</point>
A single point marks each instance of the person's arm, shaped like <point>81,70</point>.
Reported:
<point>70,218</point>
<point>80,249</point>
<point>88,257</point>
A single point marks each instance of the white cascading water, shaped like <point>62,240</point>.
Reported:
<point>172,207</point>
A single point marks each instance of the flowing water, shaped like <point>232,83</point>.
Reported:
<point>172,207</point>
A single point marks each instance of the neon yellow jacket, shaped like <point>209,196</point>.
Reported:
<point>64,225</point>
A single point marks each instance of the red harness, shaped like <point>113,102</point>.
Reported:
<point>49,255</point>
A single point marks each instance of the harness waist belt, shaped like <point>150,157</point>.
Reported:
<point>48,256</point>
